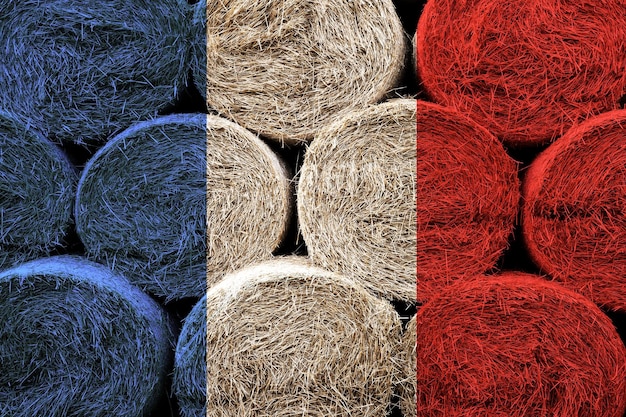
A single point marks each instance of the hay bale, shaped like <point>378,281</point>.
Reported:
<point>356,198</point>
<point>408,354</point>
<point>79,340</point>
<point>526,70</point>
<point>517,346</point>
<point>468,196</point>
<point>284,68</point>
<point>573,212</point>
<point>37,186</point>
<point>176,202</point>
<point>189,384</point>
<point>84,70</point>
<point>285,338</point>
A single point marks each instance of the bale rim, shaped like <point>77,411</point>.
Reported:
<point>207,198</point>
<point>526,70</point>
<point>356,198</point>
<point>37,188</point>
<point>573,218</point>
<point>468,198</point>
<point>408,355</point>
<point>82,71</point>
<point>284,68</point>
<point>517,345</point>
<point>77,339</point>
<point>284,337</point>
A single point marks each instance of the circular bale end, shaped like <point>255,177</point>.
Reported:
<point>356,198</point>
<point>408,354</point>
<point>517,345</point>
<point>189,384</point>
<point>526,70</point>
<point>37,190</point>
<point>286,338</point>
<point>78,340</point>
<point>176,202</point>
<point>467,198</point>
<point>284,68</point>
<point>83,71</point>
<point>574,223</point>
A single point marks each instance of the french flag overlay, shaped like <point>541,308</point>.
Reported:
<point>208,208</point>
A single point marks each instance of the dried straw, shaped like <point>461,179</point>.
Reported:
<point>285,68</point>
<point>189,384</point>
<point>78,340</point>
<point>526,70</point>
<point>37,186</point>
<point>408,354</point>
<point>285,338</point>
<point>574,222</point>
<point>517,346</point>
<point>468,196</point>
<point>356,198</point>
<point>84,70</point>
<point>176,202</point>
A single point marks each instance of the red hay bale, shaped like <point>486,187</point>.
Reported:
<point>574,218</point>
<point>526,70</point>
<point>467,198</point>
<point>517,346</point>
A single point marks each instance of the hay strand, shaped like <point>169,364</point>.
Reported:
<point>84,70</point>
<point>526,70</point>
<point>78,340</point>
<point>176,202</point>
<point>408,354</point>
<point>574,223</point>
<point>285,338</point>
<point>356,198</point>
<point>285,68</point>
<point>467,198</point>
<point>517,346</point>
<point>37,186</point>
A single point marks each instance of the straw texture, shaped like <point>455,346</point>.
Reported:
<point>574,223</point>
<point>190,383</point>
<point>526,70</point>
<point>285,338</point>
<point>356,198</point>
<point>176,202</point>
<point>84,70</point>
<point>408,354</point>
<point>78,340</point>
<point>37,186</point>
<point>467,198</point>
<point>285,68</point>
<point>517,346</point>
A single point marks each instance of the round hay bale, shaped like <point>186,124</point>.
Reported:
<point>189,384</point>
<point>356,198</point>
<point>517,346</point>
<point>574,224</point>
<point>37,189</point>
<point>408,356</point>
<point>176,202</point>
<point>285,338</point>
<point>467,198</point>
<point>78,340</point>
<point>526,70</point>
<point>84,70</point>
<point>285,68</point>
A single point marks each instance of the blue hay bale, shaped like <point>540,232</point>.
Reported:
<point>78,340</point>
<point>189,384</point>
<point>84,70</point>
<point>176,202</point>
<point>37,190</point>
